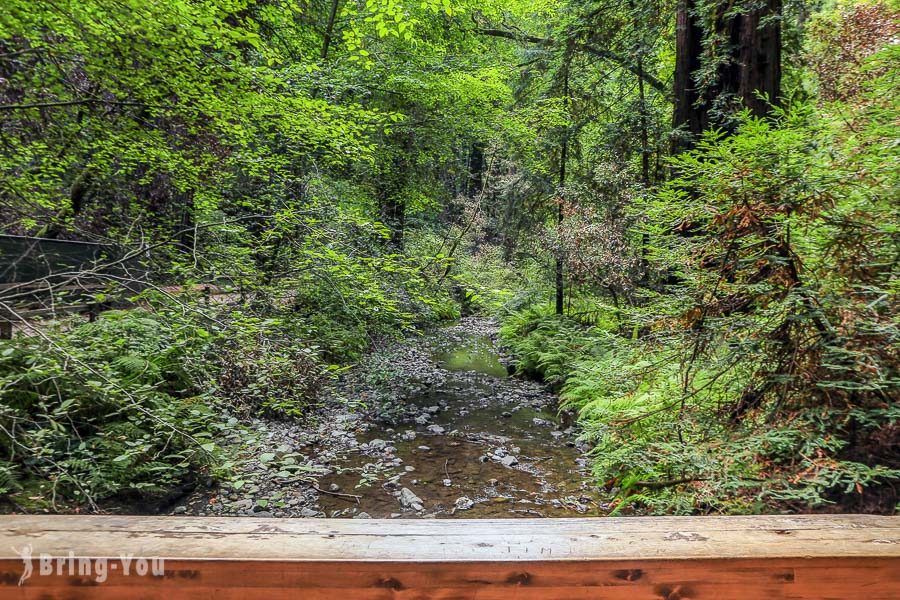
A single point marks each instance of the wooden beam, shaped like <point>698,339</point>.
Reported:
<point>720,558</point>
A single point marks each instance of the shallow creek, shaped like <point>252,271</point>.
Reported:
<point>479,444</point>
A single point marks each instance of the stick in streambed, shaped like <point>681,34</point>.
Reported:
<point>338,494</point>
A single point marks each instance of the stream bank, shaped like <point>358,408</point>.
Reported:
<point>430,426</point>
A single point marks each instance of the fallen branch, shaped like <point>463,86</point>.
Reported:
<point>338,494</point>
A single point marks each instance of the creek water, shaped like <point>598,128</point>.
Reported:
<point>492,446</point>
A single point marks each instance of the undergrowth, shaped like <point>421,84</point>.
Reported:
<point>663,448</point>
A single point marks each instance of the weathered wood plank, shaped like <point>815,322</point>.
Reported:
<point>796,557</point>
<point>455,540</point>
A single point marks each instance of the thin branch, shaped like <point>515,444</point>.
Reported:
<point>604,53</point>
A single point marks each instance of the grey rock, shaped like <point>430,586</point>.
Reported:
<point>509,461</point>
<point>464,503</point>
<point>436,429</point>
<point>408,499</point>
<point>180,510</point>
<point>308,512</point>
<point>362,515</point>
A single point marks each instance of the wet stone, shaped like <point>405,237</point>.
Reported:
<point>408,499</point>
<point>452,386</point>
<point>464,503</point>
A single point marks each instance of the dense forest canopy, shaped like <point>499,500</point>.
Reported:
<point>683,213</point>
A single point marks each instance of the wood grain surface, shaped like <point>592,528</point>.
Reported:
<point>842,556</point>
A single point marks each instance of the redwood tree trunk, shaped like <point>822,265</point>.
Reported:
<point>750,66</point>
<point>690,113</point>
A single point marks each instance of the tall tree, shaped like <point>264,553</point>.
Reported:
<point>728,57</point>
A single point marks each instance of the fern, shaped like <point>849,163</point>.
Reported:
<point>9,477</point>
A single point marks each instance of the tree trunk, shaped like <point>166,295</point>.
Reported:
<point>389,191</point>
<point>751,66</point>
<point>329,29</point>
<point>563,157</point>
<point>475,180</point>
<point>391,206</point>
<point>759,54</point>
<point>690,116</point>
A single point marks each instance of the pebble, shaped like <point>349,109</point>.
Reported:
<point>464,503</point>
<point>509,461</point>
<point>330,441</point>
<point>408,499</point>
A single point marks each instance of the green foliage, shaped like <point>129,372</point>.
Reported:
<point>102,410</point>
<point>339,172</point>
<point>761,372</point>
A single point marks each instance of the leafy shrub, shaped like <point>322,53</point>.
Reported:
<point>101,410</point>
<point>261,371</point>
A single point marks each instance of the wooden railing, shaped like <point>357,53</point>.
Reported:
<point>715,558</point>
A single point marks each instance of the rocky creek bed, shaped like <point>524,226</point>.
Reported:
<point>430,426</point>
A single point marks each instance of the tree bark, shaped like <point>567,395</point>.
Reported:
<point>563,158</point>
<point>329,29</point>
<point>750,68</point>
<point>690,114</point>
